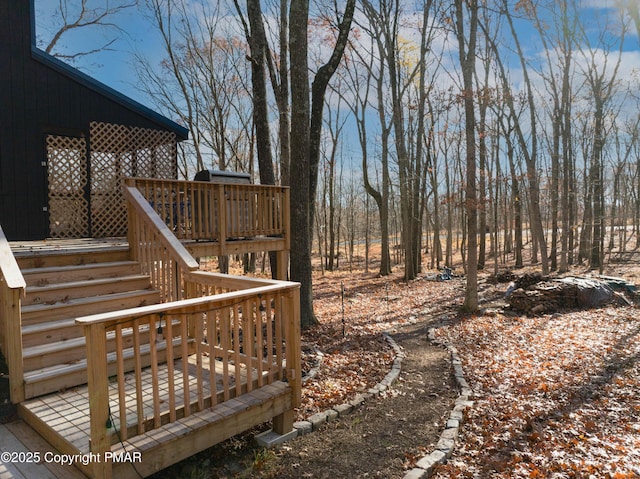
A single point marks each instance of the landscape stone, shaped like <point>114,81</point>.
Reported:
<point>331,414</point>
<point>452,423</point>
<point>270,438</point>
<point>446,446</point>
<point>429,462</point>
<point>318,419</point>
<point>416,473</point>
<point>303,427</point>
<point>343,409</point>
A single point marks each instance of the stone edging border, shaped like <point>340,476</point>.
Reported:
<point>444,448</point>
<point>315,421</point>
<point>312,423</point>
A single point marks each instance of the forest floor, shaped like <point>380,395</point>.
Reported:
<point>557,395</point>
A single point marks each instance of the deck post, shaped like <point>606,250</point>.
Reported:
<point>12,318</point>
<point>283,423</point>
<point>12,288</point>
<point>287,219</point>
<point>132,232</point>
<point>222,219</point>
<point>98,386</point>
<point>282,265</point>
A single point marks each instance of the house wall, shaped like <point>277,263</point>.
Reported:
<point>39,96</point>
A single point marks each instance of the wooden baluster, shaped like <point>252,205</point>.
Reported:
<point>177,194</point>
<point>248,337</point>
<point>138,374</point>
<point>269,326</point>
<point>236,349</point>
<point>184,343</point>
<point>212,321</point>
<point>192,208</point>
<point>198,321</point>
<point>225,345</point>
<point>170,369</point>
<point>279,329</point>
<point>122,396</point>
<point>157,419</point>
<point>259,346</point>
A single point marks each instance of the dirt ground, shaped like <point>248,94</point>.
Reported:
<point>386,435</point>
<point>383,438</point>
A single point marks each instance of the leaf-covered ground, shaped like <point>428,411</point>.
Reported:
<point>557,396</point>
<point>354,309</point>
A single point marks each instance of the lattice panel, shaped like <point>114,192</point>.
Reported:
<point>67,180</point>
<point>154,152</point>
<point>118,151</point>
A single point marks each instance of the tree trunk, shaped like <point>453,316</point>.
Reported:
<point>300,198</point>
<point>259,51</point>
<point>467,54</point>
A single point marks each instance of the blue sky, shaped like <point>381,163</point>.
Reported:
<point>114,66</point>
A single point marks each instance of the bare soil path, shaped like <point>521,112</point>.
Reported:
<point>385,436</point>
<point>382,438</point>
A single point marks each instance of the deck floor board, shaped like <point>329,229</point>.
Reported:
<point>67,412</point>
<point>18,437</point>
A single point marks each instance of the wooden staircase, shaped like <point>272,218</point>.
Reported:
<point>101,362</point>
<point>62,286</point>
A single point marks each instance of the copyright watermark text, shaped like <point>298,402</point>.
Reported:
<point>68,459</point>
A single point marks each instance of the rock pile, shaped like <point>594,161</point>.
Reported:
<point>545,295</point>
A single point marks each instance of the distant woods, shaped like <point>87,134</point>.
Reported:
<point>502,132</point>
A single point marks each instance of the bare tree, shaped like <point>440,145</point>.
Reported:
<point>601,77</point>
<point>385,18</point>
<point>203,81</point>
<point>72,16</point>
<point>467,55</point>
<point>306,127</point>
<point>365,72</point>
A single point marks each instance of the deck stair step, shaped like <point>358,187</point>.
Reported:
<point>60,292</point>
<point>85,272</point>
<point>46,258</point>
<point>72,308</point>
<point>70,350</point>
<point>72,373</point>
<point>69,281</point>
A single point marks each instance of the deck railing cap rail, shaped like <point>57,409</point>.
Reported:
<point>204,304</point>
<point>170,241</point>
<point>133,180</point>
<point>9,266</point>
<point>244,282</point>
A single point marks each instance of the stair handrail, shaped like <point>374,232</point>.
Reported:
<point>12,289</point>
<point>161,255</point>
<point>178,252</point>
<point>9,266</point>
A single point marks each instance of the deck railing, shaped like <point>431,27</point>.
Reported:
<point>160,254</point>
<point>192,209</point>
<point>214,337</point>
<point>201,352</point>
<point>12,288</point>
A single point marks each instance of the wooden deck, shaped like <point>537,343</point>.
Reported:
<point>72,246</point>
<point>205,357</point>
<point>66,414</point>
<point>22,442</point>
